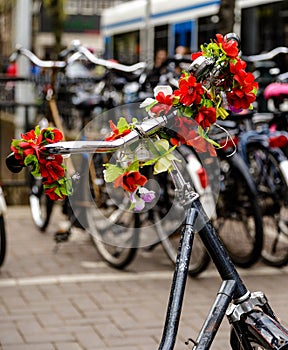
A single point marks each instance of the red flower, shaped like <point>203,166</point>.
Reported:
<point>164,99</point>
<point>30,143</point>
<point>206,116</point>
<point>202,146</point>
<point>186,134</point>
<point>116,134</point>
<point>185,128</point>
<point>230,47</point>
<point>51,168</point>
<point>52,135</point>
<point>130,181</point>
<point>241,98</point>
<point>196,55</point>
<point>189,90</point>
<point>160,108</point>
<point>52,194</point>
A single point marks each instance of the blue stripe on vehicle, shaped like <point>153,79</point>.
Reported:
<point>124,23</point>
<point>161,14</point>
<point>183,9</point>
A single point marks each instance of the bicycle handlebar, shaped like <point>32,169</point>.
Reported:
<point>267,55</point>
<point>146,128</point>
<point>36,60</point>
<point>76,51</point>
<point>109,64</point>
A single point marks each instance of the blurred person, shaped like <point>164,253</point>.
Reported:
<point>159,68</point>
<point>181,51</point>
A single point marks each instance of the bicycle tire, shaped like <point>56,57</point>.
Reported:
<point>41,206</point>
<point>274,203</point>
<point>3,241</point>
<point>114,230</point>
<point>200,258</point>
<point>239,218</point>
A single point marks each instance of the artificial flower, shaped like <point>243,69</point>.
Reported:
<point>140,197</point>
<point>30,150</point>
<point>206,116</point>
<point>189,91</point>
<point>130,181</point>
<point>117,132</point>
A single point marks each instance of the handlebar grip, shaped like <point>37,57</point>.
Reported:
<point>13,164</point>
<point>235,37</point>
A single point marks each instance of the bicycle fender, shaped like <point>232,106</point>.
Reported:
<point>266,331</point>
<point>282,161</point>
<point>250,138</point>
<point>239,163</point>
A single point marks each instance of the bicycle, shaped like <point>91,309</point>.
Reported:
<point>41,206</point>
<point>247,252</point>
<point>264,150</point>
<point>254,325</point>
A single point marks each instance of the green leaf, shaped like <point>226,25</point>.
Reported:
<point>163,164</point>
<point>134,166</point>
<point>122,124</point>
<point>37,130</point>
<point>150,162</point>
<point>112,172</point>
<point>162,146</point>
<point>147,108</point>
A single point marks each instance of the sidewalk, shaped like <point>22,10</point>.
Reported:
<point>73,300</point>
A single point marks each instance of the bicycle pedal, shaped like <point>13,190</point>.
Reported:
<point>62,236</point>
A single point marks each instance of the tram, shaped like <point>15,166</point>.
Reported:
<point>136,27</point>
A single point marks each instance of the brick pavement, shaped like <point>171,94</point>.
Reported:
<point>72,300</point>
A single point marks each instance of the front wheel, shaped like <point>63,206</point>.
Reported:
<point>199,259</point>
<point>239,219</point>
<point>40,205</point>
<point>114,229</point>
<point>269,176</point>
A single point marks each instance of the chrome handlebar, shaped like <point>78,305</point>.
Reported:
<point>76,52</point>
<point>147,128</point>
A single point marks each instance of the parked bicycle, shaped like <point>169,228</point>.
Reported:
<point>51,81</point>
<point>254,325</point>
<point>264,150</point>
<point>42,206</point>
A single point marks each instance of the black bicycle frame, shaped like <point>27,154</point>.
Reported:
<point>232,288</point>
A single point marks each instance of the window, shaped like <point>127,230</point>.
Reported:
<point>256,33</point>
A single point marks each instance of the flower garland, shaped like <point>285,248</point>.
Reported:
<point>201,98</point>
<point>227,87</point>
<point>30,151</point>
